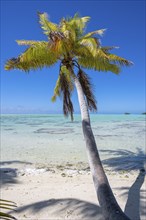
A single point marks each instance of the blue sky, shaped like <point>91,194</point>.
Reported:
<point>31,93</point>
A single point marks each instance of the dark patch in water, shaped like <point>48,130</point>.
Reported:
<point>107,135</point>
<point>35,124</point>
<point>51,131</point>
<point>8,129</point>
<point>74,122</point>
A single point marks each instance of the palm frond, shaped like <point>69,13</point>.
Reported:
<point>28,42</point>
<point>80,50</point>
<point>119,60</point>
<point>91,44</point>
<point>106,49</point>
<point>68,76</point>
<point>61,47</point>
<point>6,216</point>
<point>36,56</point>
<point>85,20</point>
<point>98,62</point>
<point>64,87</point>
<point>6,204</point>
<point>87,89</point>
<point>78,24</point>
<point>67,103</point>
<point>114,58</point>
<point>57,90</point>
<point>97,32</point>
<point>46,25</point>
<point>68,30</point>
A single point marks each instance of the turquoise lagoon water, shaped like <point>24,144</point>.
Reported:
<point>53,139</point>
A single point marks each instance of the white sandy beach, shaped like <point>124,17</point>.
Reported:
<point>69,194</point>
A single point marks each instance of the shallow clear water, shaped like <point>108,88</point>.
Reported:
<point>53,139</point>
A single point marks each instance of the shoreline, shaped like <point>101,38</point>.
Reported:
<point>62,193</point>
<point>25,168</point>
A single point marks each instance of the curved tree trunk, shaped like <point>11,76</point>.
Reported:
<point>107,201</point>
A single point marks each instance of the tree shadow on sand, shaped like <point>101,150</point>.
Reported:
<point>64,208</point>
<point>9,175</point>
<point>128,160</point>
<point>125,159</point>
<point>136,198</point>
<point>78,209</point>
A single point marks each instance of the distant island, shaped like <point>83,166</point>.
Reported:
<point>128,113</point>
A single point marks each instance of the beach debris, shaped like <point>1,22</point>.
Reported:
<point>63,174</point>
<point>31,171</point>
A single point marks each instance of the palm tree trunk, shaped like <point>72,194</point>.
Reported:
<point>107,201</point>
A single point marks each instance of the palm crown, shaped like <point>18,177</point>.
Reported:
<point>68,43</point>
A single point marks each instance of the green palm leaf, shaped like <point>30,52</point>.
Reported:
<point>38,55</point>
<point>6,204</point>
<point>91,44</point>
<point>97,32</point>
<point>98,63</point>
<point>46,25</point>
<point>28,42</point>
<point>69,32</point>
<point>78,24</point>
<point>57,90</point>
<point>106,49</point>
<point>119,60</point>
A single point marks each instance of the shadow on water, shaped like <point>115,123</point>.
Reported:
<point>9,175</point>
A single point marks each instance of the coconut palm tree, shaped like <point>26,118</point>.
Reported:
<point>69,44</point>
